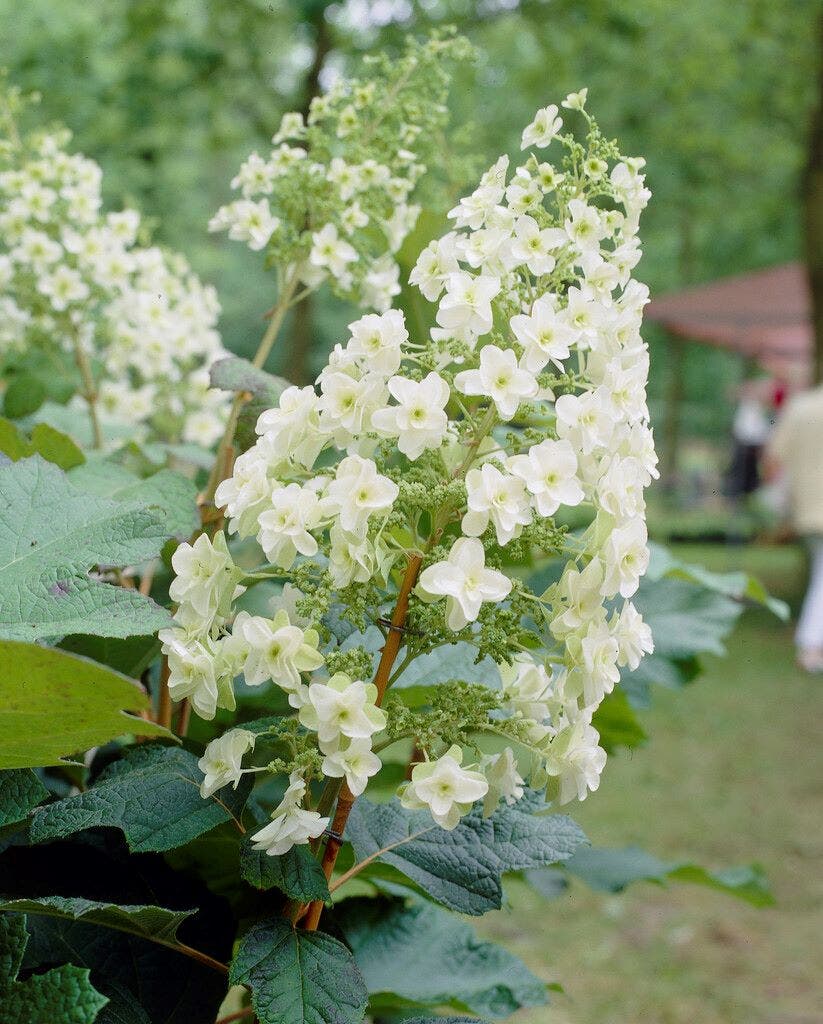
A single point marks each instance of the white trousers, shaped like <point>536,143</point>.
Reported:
<point>809,635</point>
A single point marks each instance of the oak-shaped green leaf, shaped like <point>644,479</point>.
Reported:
<point>152,795</point>
<point>239,375</point>
<point>297,873</point>
<point>739,586</point>
<point>51,536</point>
<point>421,956</point>
<point>63,995</point>
<point>463,868</point>
<point>298,977</point>
<point>53,703</point>
<point>148,922</point>
<point>170,496</point>
<point>611,870</point>
<point>20,791</point>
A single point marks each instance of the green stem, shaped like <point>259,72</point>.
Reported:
<point>89,388</point>
<point>276,322</point>
<point>264,348</point>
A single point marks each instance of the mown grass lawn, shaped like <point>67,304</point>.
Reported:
<point>733,773</point>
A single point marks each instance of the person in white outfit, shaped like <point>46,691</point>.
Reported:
<point>796,448</point>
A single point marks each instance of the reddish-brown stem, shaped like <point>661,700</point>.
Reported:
<point>415,757</point>
<point>184,717</point>
<point>164,697</point>
<point>381,680</point>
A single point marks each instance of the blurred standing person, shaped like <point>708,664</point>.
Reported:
<point>750,432</point>
<point>796,448</point>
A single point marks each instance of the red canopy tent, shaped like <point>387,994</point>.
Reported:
<point>764,315</point>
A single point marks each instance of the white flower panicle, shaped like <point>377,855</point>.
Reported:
<point>332,199</point>
<point>74,282</point>
<point>419,472</point>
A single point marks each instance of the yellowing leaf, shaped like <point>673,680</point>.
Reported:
<point>53,704</point>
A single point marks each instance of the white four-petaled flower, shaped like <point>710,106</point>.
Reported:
<point>419,420</point>
<point>464,581</point>
<point>444,787</point>
<point>221,762</point>
<point>500,378</point>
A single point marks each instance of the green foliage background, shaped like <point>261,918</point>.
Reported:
<point>170,95</point>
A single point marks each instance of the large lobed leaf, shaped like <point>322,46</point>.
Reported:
<point>170,496</point>
<point>297,873</point>
<point>147,922</point>
<point>20,792</point>
<point>419,956</point>
<point>738,586</point>
<point>152,795</point>
<point>63,995</point>
<point>53,703</point>
<point>611,870</point>
<point>122,929</point>
<point>298,977</point>
<point>51,536</point>
<point>463,869</point>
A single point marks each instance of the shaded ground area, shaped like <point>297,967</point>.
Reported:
<point>733,773</point>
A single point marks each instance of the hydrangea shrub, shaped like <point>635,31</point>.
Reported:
<point>349,673</point>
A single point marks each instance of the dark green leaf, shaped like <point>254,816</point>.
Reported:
<point>611,870</point>
<point>51,536</point>
<point>20,791</point>
<point>428,958</point>
<point>152,795</point>
<point>297,873</point>
<point>129,655</point>
<point>24,395</point>
<point>241,376</point>
<point>63,995</point>
<point>617,723</point>
<point>137,974</point>
<point>463,869</point>
<point>155,923</point>
<point>54,704</point>
<point>298,977</point>
<point>121,1008</point>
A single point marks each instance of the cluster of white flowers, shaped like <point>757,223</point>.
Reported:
<point>331,200</point>
<point>438,458</point>
<point>562,279</point>
<point>74,281</point>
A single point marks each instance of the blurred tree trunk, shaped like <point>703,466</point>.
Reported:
<point>297,367</point>
<point>812,189</point>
